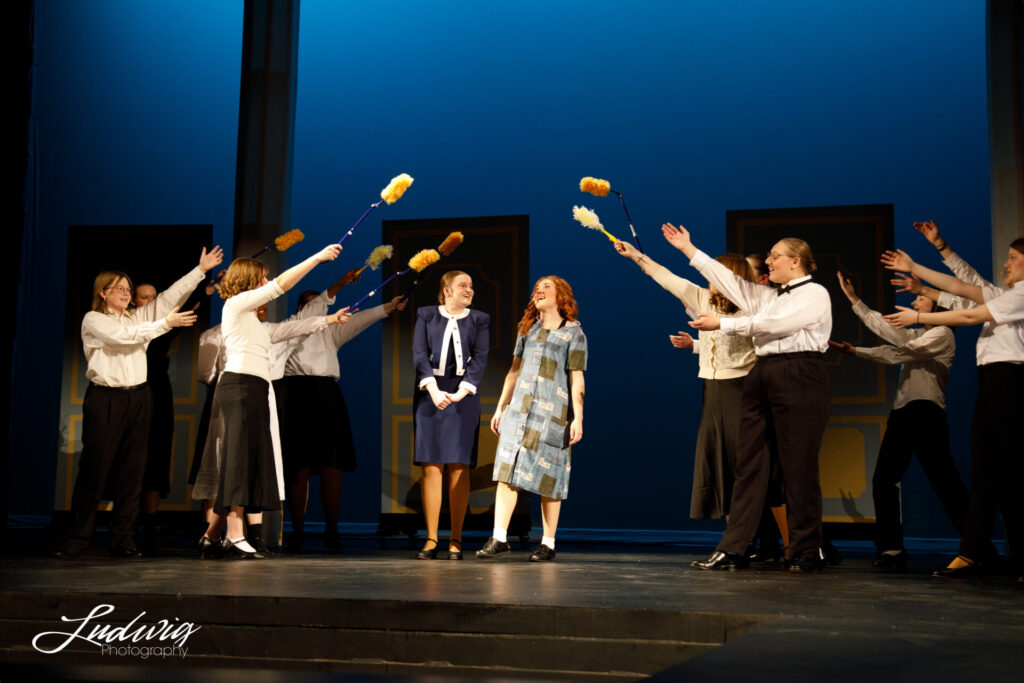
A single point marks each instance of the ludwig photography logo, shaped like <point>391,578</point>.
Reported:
<point>164,638</point>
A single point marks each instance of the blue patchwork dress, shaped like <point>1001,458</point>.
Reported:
<point>533,447</point>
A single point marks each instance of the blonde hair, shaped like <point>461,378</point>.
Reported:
<point>103,282</point>
<point>446,281</point>
<point>243,274</point>
<point>797,248</point>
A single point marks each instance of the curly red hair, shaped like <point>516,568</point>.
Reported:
<point>564,299</point>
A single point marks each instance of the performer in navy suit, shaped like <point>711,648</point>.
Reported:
<point>449,349</point>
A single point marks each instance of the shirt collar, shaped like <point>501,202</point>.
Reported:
<point>451,316</point>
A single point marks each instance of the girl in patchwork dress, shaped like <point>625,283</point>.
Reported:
<point>540,414</point>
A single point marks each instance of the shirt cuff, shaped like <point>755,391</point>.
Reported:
<point>699,259</point>
<point>728,325</point>
<point>427,381</point>
<point>468,387</point>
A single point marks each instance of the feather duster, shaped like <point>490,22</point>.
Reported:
<point>451,243</point>
<point>427,257</point>
<point>290,238</point>
<point>589,219</point>
<point>378,256</point>
<point>396,188</point>
<point>595,186</point>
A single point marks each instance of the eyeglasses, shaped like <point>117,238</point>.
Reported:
<point>120,290</point>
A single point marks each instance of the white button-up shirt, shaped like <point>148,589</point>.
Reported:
<point>925,357</point>
<point>799,320</point>
<point>115,344</point>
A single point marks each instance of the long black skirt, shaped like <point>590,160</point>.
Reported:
<point>243,465</point>
<point>315,427</point>
<point>202,431</point>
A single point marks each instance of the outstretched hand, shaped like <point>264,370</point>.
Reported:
<point>677,237</point>
<point>897,260</point>
<point>706,322</point>
<point>904,317</point>
<point>342,315</point>
<point>907,283</point>
<point>842,347</point>
<point>847,287</point>
<point>328,253</point>
<point>211,259</point>
<point>350,277</point>
<point>929,230</point>
<point>397,304</point>
<point>625,248</point>
<point>682,341</point>
<point>180,319</point>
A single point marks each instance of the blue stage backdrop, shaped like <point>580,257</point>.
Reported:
<point>690,109</point>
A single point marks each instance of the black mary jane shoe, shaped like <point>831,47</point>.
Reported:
<point>260,546</point>
<point>231,551</point>
<point>209,549</point>
<point>719,560</point>
<point>425,554</point>
<point>970,570</point>
<point>454,554</point>
<point>542,553</point>
<point>493,548</point>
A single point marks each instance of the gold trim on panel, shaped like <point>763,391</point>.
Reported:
<point>69,477</point>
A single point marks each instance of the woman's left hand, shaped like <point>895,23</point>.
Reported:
<point>458,395</point>
<point>575,431</point>
<point>898,260</point>
<point>397,304</point>
<point>210,260</point>
<point>904,317</point>
<point>626,249</point>
<point>706,322</point>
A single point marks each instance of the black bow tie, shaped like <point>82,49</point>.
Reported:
<point>786,290</point>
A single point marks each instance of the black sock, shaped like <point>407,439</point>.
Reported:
<point>255,531</point>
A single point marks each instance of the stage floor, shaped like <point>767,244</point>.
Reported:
<point>849,623</point>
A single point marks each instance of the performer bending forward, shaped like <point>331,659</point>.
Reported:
<point>540,414</point>
<point>449,349</point>
<point>788,385</point>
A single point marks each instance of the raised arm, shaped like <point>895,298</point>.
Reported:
<point>175,295</point>
<point>900,260</point>
<point>291,277</point>
<point>872,319</point>
<point>684,290</point>
<point>111,333</point>
<point>346,279</point>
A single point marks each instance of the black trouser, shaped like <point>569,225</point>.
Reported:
<point>919,428</point>
<point>997,461</point>
<point>115,429</point>
<point>792,391</point>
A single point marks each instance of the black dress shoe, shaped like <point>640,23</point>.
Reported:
<point>233,552</point>
<point>810,562</point>
<point>127,553</point>
<point>891,560</point>
<point>492,549</point>
<point>454,554</point>
<point>969,571</point>
<point>431,554</point>
<point>720,560</point>
<point>542,554</point>
<point>260,546</point>
<point>208,548</point>
<point>764,555</point>
<point>67,554</point>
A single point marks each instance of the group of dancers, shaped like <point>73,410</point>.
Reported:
<point>762,336</point>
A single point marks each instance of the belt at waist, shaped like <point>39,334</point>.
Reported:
<point>136,387</point>
<point>792,354</point>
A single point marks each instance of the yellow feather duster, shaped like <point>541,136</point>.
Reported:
<point>451,243</point>
<point>378,256</point>
<point>396,188</point>
<point>589,219</point>
<point>427,257</point>
<point>288,239</point>
<point>595,186</point>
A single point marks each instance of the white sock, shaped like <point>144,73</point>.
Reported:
<point>894,553</point>
<point>549,541</point>
<point>242,545</point>
<point>499,535</point>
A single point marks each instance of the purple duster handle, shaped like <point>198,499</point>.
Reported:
<point>630,221</point>
<point>377,289</point>
<point>361,218</point>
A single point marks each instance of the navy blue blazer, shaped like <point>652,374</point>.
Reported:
<point>474,330</point>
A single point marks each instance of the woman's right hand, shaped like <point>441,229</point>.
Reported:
<point>176,319</point>
<point>440,399</point>
<point>677,237</point>
<point>929,230</point>
<point>496,420</point>
<point>907,283</point>
<point>340,316</point>
<point>626,249</point>
<point>328,253</point>
<point>683,341</point>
